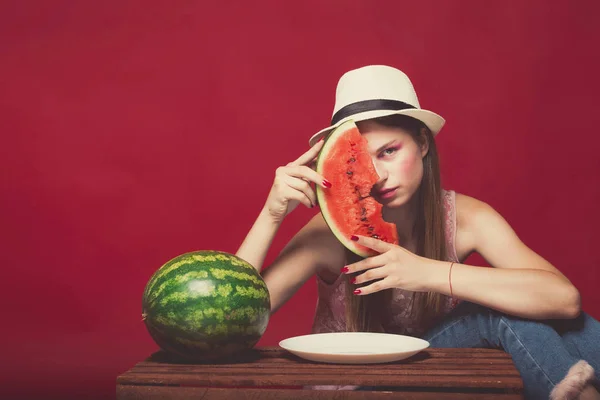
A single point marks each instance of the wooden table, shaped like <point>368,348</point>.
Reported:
<point>273,373</point>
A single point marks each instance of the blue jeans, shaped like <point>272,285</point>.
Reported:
<point>543,351</point>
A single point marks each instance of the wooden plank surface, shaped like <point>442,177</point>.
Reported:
<point>434,368</point>
<point>135,392</point>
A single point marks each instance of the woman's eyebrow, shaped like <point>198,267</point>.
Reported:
<point>385,145</point>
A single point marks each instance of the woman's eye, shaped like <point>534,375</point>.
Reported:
<point>389,151</point>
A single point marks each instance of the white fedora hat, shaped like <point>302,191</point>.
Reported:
<point>376,91</point>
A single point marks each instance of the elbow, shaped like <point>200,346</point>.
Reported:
<point>572,307</point>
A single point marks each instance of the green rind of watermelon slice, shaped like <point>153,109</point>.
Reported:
<point>347,207</point>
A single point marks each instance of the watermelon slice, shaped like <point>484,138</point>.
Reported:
<point>347,207</point>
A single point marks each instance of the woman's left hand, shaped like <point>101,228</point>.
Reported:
<point>395,266</point>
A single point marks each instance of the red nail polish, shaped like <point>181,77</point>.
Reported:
<point>353,280</point>
<point>326,183</point>
<point>354,237</point>
<point>345,269</point>
<point>357,291</point>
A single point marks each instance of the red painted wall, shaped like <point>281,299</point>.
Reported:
<point>136,131</point>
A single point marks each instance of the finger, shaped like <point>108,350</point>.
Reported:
<point>304,172</point>
<point>309,155</point>
<point>368,263</point>
<point>375,244</point>
<point>301,186</point>
<point>300,197</point>
<point>374,287</point>
<point>374,273</point>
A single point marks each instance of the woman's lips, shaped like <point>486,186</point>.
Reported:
<point>386,194</point>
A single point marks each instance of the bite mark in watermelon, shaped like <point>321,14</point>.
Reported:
<point>348,207</point>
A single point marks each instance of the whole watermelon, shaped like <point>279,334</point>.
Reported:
<point>206,305</point>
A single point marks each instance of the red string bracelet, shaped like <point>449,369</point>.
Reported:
<point>450,279</point>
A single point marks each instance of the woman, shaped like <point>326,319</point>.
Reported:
<point>421,288</point>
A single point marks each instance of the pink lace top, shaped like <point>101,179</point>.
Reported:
<point>330,310</point>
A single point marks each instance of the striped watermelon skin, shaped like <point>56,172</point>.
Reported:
<point>206,305</point>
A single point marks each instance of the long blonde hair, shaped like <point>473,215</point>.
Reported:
<point>367,313</point>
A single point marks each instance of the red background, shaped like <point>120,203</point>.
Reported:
<point>134,131</point>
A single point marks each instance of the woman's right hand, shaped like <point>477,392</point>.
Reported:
<point>292,185</point>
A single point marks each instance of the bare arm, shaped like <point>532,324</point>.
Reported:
<point>291,187</point>
<point>522,283</point>
<point>313,248</point>
<point>256,245</point>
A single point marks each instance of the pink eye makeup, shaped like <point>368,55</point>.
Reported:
<point>390,151</point>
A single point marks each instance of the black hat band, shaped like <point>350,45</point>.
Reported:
<point>369,105</point>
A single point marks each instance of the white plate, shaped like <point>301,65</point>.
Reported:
<point>354,347</point>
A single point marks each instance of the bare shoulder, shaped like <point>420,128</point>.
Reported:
<point>482,229</point>
<point>316,242</point>
<point>320,248</point>
<point>322,240</point>
<point>313,248</point>
<point>477,223</point>
<point>317,225</point>
<point>466,207</point>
